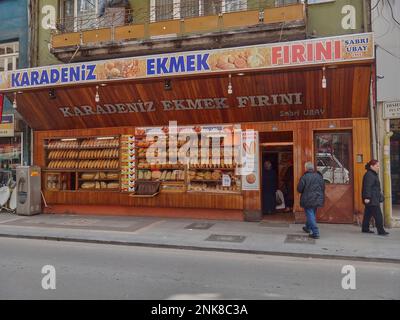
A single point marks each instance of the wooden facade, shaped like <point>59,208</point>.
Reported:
<point>346,97</point>
<point>248,201</point>
<point>341,107</point>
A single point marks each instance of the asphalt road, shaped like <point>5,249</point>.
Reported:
<point>97,271</point>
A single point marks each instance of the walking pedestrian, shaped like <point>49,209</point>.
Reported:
<point>372,197</point>
<point>312,189</point>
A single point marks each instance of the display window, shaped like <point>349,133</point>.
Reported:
<point>10,157</point>
<point>333,152</point>
<point>82,164</point>
<point>193,159</point>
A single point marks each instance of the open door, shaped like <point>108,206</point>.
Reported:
<point>277,189</point>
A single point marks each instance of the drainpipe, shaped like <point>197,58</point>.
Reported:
<point>387,190</point>
<point>373,129</point>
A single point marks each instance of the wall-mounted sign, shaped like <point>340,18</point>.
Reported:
<point>391,110</point>
<point>7,126</point>
<point>250,160</point>
<point>267,56</point>
<point>184,104</point>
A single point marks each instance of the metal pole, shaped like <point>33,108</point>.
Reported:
<point>387,190</point>
<point>373,129</point>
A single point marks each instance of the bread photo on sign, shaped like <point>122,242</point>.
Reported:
<point>251,178</point>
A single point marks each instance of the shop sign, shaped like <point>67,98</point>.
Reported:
<point>267,56</point>
<point>226,180</point>
<point>250,160</point>
<point>7,126</point>
<point>184,104</point>
<point>391,110</point>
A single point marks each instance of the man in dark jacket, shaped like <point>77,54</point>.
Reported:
<point>372,197</point>
<point>312,189</point>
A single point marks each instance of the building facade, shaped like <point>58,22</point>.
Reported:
<point>386,24</point>
<point>109,74</point>
<point>14,47</point>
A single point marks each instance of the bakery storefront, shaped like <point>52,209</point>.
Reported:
<point>187,134</point>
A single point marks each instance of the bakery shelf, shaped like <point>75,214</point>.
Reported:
<point>58,170</point>
<point>81,148</point>
<point>162,168</point>
<point>163,181</point>
<point>104,189</point>
<point>226,169</point>
<point>205,180</point>
<point>98,170</point>
<point>98,179</point>
<point>215,192</point>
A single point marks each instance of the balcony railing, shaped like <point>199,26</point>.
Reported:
<point>120,24</point>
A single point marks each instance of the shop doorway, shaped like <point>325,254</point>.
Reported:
<point>277,179</point>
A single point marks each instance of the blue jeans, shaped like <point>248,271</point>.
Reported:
<point>311,223</point>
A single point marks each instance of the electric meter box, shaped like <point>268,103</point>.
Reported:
<point>29,201</point>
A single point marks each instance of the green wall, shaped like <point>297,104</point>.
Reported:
<point>44,57</point>
<point>325,19</point>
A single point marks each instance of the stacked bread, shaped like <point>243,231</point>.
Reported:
<point>63,154</point>
<point>100,153</point>
<point>100,143</point>
<point>62,164</point>
<point>98,164</point>
<point>60,144</point>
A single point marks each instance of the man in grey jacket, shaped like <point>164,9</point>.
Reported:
<point>312,189</point>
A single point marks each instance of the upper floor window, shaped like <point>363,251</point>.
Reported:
<point>282,3</point>
<point>178,9</point>
<point>9,53</point>
<point>89,14</point>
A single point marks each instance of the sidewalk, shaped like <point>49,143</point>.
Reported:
<point>337,241</point>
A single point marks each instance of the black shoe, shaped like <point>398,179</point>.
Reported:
<point>313,236</point>
<point>306,230</point>
<point>383,233</point>
<point>368,231</point>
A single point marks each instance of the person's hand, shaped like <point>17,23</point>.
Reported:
<point>366,201</point>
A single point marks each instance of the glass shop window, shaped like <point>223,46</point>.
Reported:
<point>333,156</point>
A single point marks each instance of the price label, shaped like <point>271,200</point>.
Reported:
<point>226,180</point>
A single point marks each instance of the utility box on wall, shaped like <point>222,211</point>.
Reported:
<point>28,190</point>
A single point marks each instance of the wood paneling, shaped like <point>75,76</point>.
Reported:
<point>345,97</point>
<point>200,24</point>
<point>338,206</point>
<point>281,14</point>
<point>240,19</point>
<point>66,39</point>
<point>129,32</point>
<point>98,35</point>
<point>167,200</point>
<point>303,150</point>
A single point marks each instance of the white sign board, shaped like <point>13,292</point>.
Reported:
<point>250,170</point>
<point>391,110</point>
<point>226,180</point>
